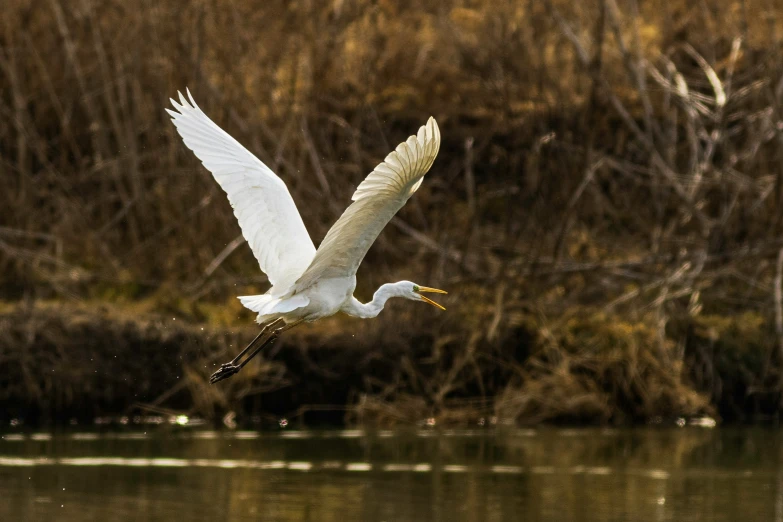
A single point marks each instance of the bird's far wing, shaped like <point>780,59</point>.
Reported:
<point>382,193</point>
<point>262,204</point>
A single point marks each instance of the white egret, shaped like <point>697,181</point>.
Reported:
<point>307,284</point>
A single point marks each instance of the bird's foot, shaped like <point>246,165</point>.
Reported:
<point>224,372</point>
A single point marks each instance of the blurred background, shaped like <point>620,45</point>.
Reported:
<point>605,210</point>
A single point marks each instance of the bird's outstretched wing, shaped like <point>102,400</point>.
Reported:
<point>382,193</point>
<point>262,204</point>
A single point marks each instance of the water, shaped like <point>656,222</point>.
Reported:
<point>540,475</point>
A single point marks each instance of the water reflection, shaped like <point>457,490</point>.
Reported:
<point>547,475</point>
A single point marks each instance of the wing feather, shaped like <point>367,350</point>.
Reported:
<point>382,193</point>
<point>261,201</point>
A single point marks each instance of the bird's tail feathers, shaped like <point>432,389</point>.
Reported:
<point>267,304</point>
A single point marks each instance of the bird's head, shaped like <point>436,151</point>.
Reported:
<point>414,292</point>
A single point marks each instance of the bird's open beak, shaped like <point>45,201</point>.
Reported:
<point>434,291</point>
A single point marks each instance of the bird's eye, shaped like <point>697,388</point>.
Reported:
<point>415,288</point>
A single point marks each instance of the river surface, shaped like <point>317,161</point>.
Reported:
<point>672,474</point>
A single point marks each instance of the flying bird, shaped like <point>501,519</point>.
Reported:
<point>307,284</point>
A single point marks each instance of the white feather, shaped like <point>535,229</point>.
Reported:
<point>267,304</point>
<point>262,204</point>
<point>382,193</point>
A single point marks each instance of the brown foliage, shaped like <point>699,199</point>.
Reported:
<point>622,156</point>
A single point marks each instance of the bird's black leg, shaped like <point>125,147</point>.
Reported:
<point>271,339</point>
<point>265,329</point>
<point>228,369</point>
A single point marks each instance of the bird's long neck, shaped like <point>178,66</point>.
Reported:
<point>374,307</point>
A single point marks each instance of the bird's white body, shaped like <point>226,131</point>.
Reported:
<point>309,284</point>
<point>323,298</point>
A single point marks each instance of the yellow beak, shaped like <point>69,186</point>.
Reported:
<point>434,291</point>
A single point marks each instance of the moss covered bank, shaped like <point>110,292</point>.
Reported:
<point>81,362</point>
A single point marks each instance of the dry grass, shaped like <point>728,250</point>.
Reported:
<point>614,163</point>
